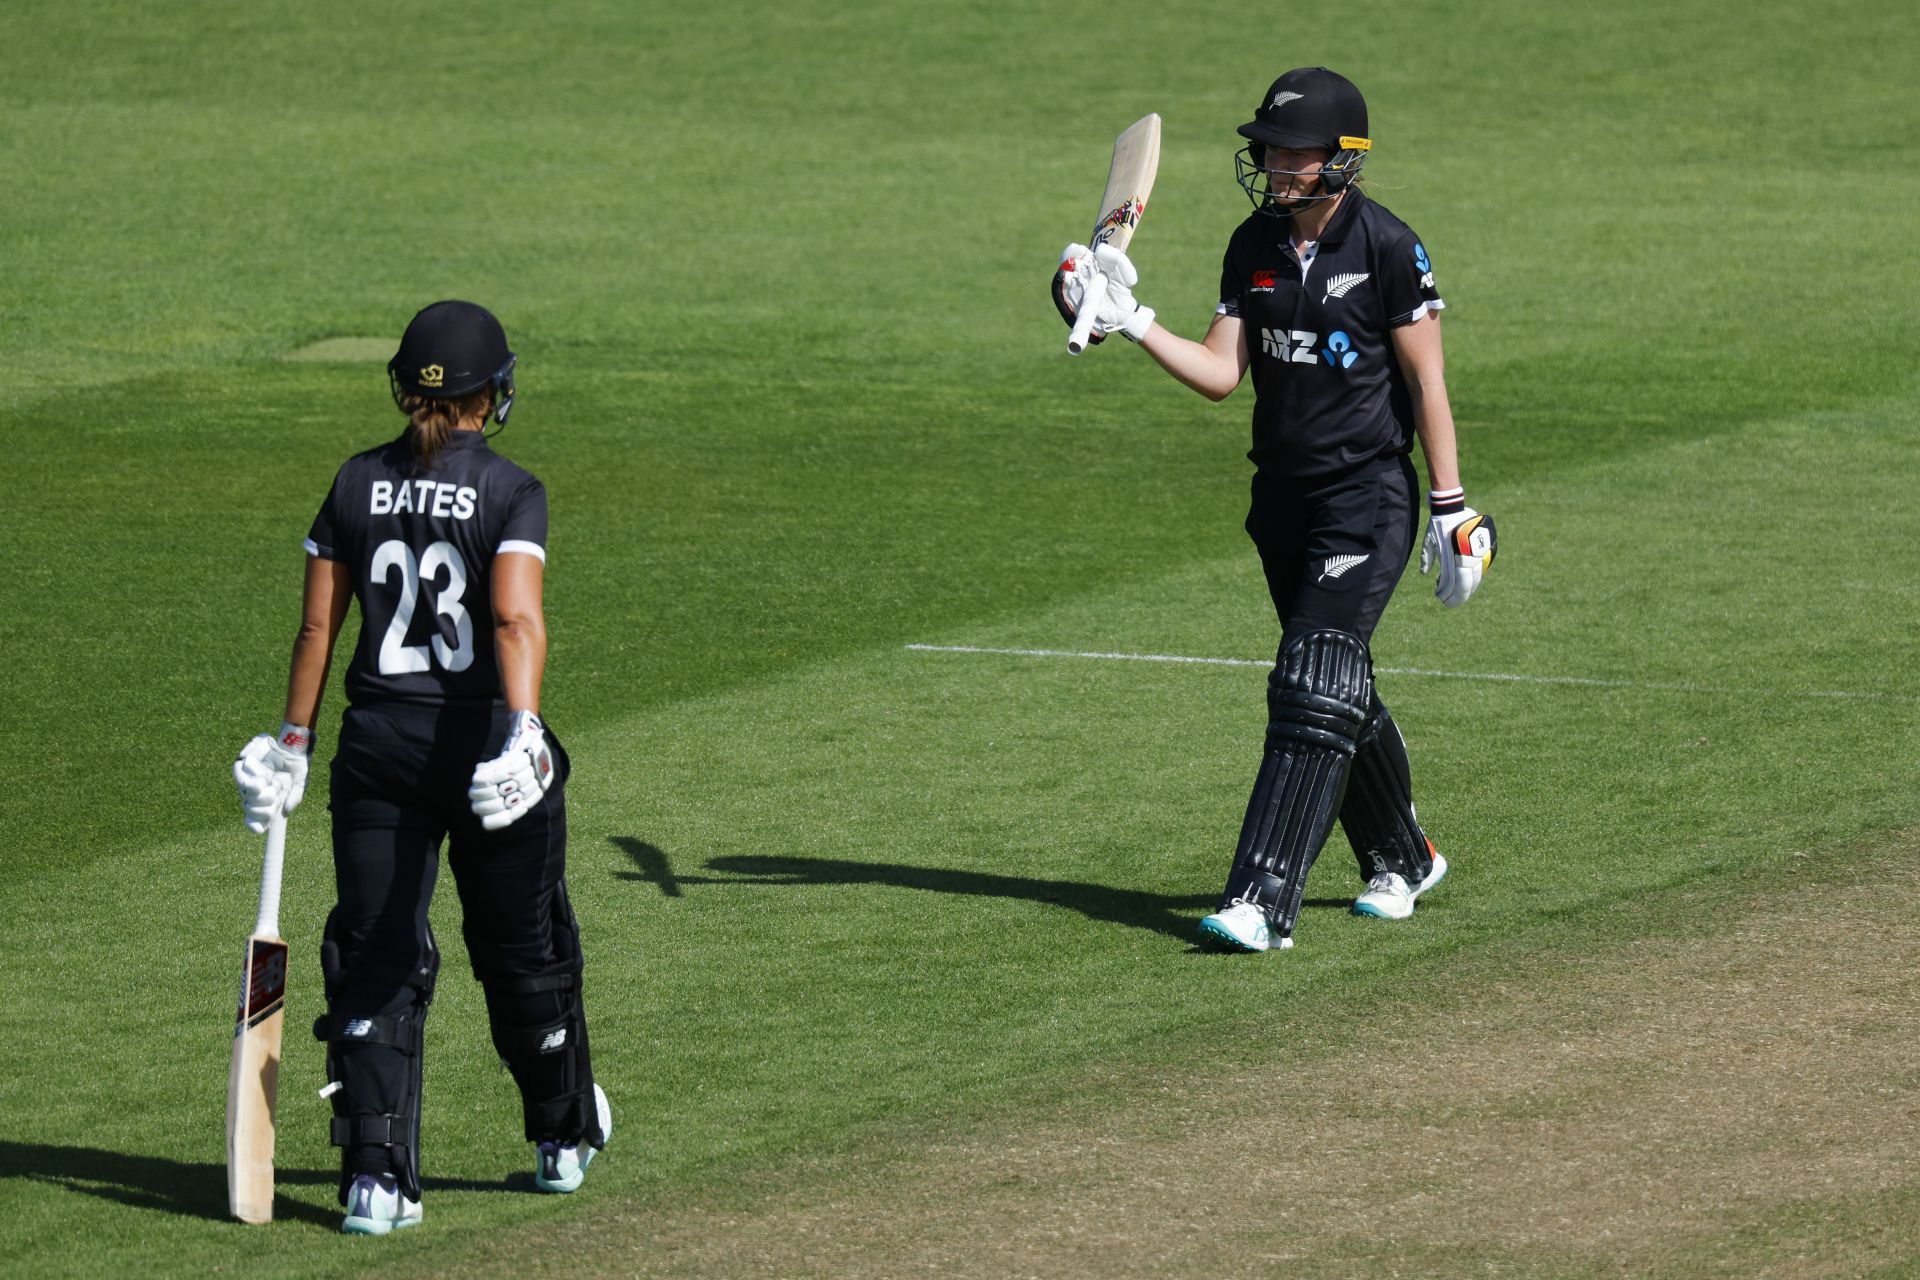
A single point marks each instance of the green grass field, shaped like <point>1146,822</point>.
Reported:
<point>889,955</point>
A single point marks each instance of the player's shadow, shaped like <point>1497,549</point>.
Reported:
<point>1169,914</point>
<point>191,1189</point>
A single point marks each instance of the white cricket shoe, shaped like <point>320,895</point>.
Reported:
<point>563,1166</point>
<point>1243,926</point>
<point>376,1205</point>
<point>1390,897</point>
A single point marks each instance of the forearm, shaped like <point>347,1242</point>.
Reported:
<point>307,674</point>
<point>521,646</point>
<point>323,608</point>
<point>1433,422</point>
<point>1417,348</point>
<point>1204,366</point>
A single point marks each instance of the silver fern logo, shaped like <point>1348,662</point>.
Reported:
<point>1340,286</point>
<point>1337,566</point>
<point>1285,96</point>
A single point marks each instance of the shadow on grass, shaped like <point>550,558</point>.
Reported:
<point>190,1189</point>
<point>1169,914</point>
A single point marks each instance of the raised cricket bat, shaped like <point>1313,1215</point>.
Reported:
<point>255,1082</point>
<point>1136,158</point>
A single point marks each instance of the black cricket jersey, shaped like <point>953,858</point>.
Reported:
<point>421,546</point>
<point>1329,395</point>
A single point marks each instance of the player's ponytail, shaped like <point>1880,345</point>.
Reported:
<point>431,421</point>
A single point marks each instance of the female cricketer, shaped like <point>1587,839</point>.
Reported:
<point>443,542</point>
<point>1329,299</point>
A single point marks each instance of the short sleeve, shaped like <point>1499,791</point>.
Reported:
<point>323,536</point>
<point>526,528</point>
<point>1406,282</point>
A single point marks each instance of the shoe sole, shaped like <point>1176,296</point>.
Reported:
<point>1211,932</point>
<point>375,1226</point>
<point>1434,877</point>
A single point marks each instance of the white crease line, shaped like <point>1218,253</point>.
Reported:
<point>1499,676</point>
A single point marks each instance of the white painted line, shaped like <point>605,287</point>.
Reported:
<point>1069,653</point>
<point>1504,677</point>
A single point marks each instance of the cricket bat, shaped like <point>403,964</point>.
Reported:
<point>254,1083</point>
<point>1136,158</point>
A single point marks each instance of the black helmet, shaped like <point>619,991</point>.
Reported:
<point>452,349</point>
<point>1307,108</point>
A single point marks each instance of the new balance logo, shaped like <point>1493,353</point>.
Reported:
<point>553,1040</point>
<point>357,1028</point>
<point>1285,96</point>
<point>1340,286</point>
<point>1336,566</point>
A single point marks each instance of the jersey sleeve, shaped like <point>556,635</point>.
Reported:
<point>1406,282</point>
<point>325,535</point>
<point>525,530</point>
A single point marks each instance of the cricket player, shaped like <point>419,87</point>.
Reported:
<point>1330,300</point>
<point>443,542</point>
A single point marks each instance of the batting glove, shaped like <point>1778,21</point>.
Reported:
<point>1462,541</point>
<point>1120,313</point>
<point>1070,286</point>
<point>271,772</point>
<point>507,787</point>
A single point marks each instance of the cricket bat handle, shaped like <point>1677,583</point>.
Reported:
<point>1091,301</point>
<point>268,923</point>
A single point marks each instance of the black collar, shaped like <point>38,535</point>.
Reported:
<point>1343,218</point>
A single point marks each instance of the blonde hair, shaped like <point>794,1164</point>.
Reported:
<point>431,421</point>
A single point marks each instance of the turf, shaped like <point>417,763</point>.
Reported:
<point>776,278</point>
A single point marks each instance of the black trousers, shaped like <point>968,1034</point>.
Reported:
<point>1334,549</point>
<point>399,791</point>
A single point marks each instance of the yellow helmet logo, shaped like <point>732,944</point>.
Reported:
<point>432,376</point>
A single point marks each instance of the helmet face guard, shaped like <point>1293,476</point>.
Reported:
<point>1334,176</point>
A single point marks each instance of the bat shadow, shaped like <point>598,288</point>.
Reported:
<point>1169,914</point>
<point>187,1188</point>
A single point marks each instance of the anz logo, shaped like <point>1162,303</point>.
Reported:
<point>1296,346</point>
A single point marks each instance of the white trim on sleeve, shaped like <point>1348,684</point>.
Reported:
<point>533,549</point>
<point>1436,306</point>
<point>313,548</point>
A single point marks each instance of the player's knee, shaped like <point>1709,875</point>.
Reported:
<point>1320,692</point>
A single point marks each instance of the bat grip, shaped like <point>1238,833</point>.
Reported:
<point>1091,301</point>
<point>268,922</point>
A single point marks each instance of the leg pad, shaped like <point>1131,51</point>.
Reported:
<point>1317,699</point>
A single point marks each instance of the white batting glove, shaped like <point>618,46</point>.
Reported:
<point>1070,285</point>
<point>271,772</point>
<point>507,787</point>
<point>1462,541</point>
<point>1120,313</point>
